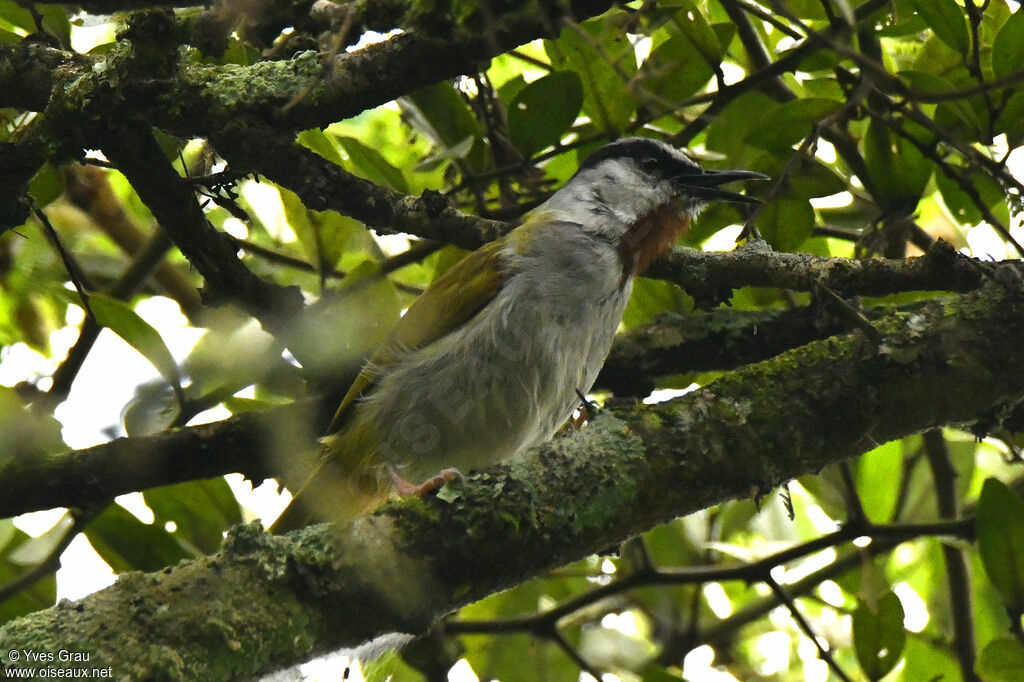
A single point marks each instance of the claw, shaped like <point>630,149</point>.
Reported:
<point>404,488</point>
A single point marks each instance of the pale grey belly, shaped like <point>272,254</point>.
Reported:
<point>491,391</point>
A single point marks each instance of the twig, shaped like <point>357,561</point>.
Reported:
<point>823,653</point>
<point>78,277</point>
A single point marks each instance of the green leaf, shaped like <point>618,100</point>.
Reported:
<point>960,204</point>
<point>16,15</point>
<point>544,110</point>
<point>33,598</point>
<point>201,510</point>
<point>1011,120</point>
<point>878,635</point>
<point>317,140</point>
<point>675,69</point>
<point>324,235</point>
<point>790,122</point>
<point>127,544</point>
<point>512,87</point>
<point>1000,530</point>
<point>786,223</point>
<point>1002,660</point>
<point>899,172</point>
<point>119,318</point>
<point>1008,47</point>
<point>341,330</point>
<point>46,185</point>
<point>440,113</point>
<point>932,84</point>
<point>652,297</point>
<point>371,164</point>
<point>153,408</point>
<point>601,54</point>
<point>878,478</point>
<point>947,20</point>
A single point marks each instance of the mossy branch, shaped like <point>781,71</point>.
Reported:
<point>278,600</point>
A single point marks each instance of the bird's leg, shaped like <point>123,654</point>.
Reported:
<point>404,488</point>
<point>588,410</point>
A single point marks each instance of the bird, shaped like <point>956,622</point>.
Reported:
<point>490,359</point>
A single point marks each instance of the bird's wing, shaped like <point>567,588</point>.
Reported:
<point>451,300</point>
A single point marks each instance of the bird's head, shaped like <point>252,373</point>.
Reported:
<point>642,194</point>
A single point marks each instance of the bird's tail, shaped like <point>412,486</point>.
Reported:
<point>344,485</point>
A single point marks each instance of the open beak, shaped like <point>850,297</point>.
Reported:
<point>706,185</point>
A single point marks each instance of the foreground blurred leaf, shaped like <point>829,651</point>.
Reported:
<point>40,595</point>
<point>371,164</point>
<point>1000,530</point>
<point>127,544</point>
<point>1008,47</point>
<point>118,317</point>
<point>946,19</point>
<point>878,635</point>
<point>1002,660</point>
<point>544,110</point>
<point>600,52</point>
<point>201,510</point>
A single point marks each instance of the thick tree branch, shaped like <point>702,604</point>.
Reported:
<point>281,599</point>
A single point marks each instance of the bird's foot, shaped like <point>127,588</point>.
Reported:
<point>588,410</point>
<point>405,488</point>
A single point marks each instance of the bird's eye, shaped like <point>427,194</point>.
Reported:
<point>649,164</point>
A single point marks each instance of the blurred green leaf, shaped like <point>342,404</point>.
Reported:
<point>35,550</point>
<point>318,141</point>
<point>544,110</point>
<point>786,223</point>
<point>118,317</point>
<point>338,334</point>
<point>153,408</point>
<point>1008,47</point>
<point>960,204</point>
<point>899,172</point>
<point>675,69</point>
<point>936,85</point>
<point>33,598</point>
<point>929,661</point>
<point>46,185</point>
<point>324,235</point>
<point>878,635</point>
<point>1002,660</point>
<point>201,510</point>
<point>25,432</point>
<point>17,15</point>
<point>440,113</point>
<point>371,164</point>
<point>512,87</point>
<point>1000,530</point>
<point>653,297</point>
<point>790,122</point>
<point>727,132</point>
<point>601,54</point>
<point>947,20</point>
<point>127,544</point>
<point>1011,119</point>
<point>879,472</point>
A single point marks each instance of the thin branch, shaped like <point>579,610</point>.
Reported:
<point>957,569</point>
<point>75,272</point>
<point>823,653</point>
